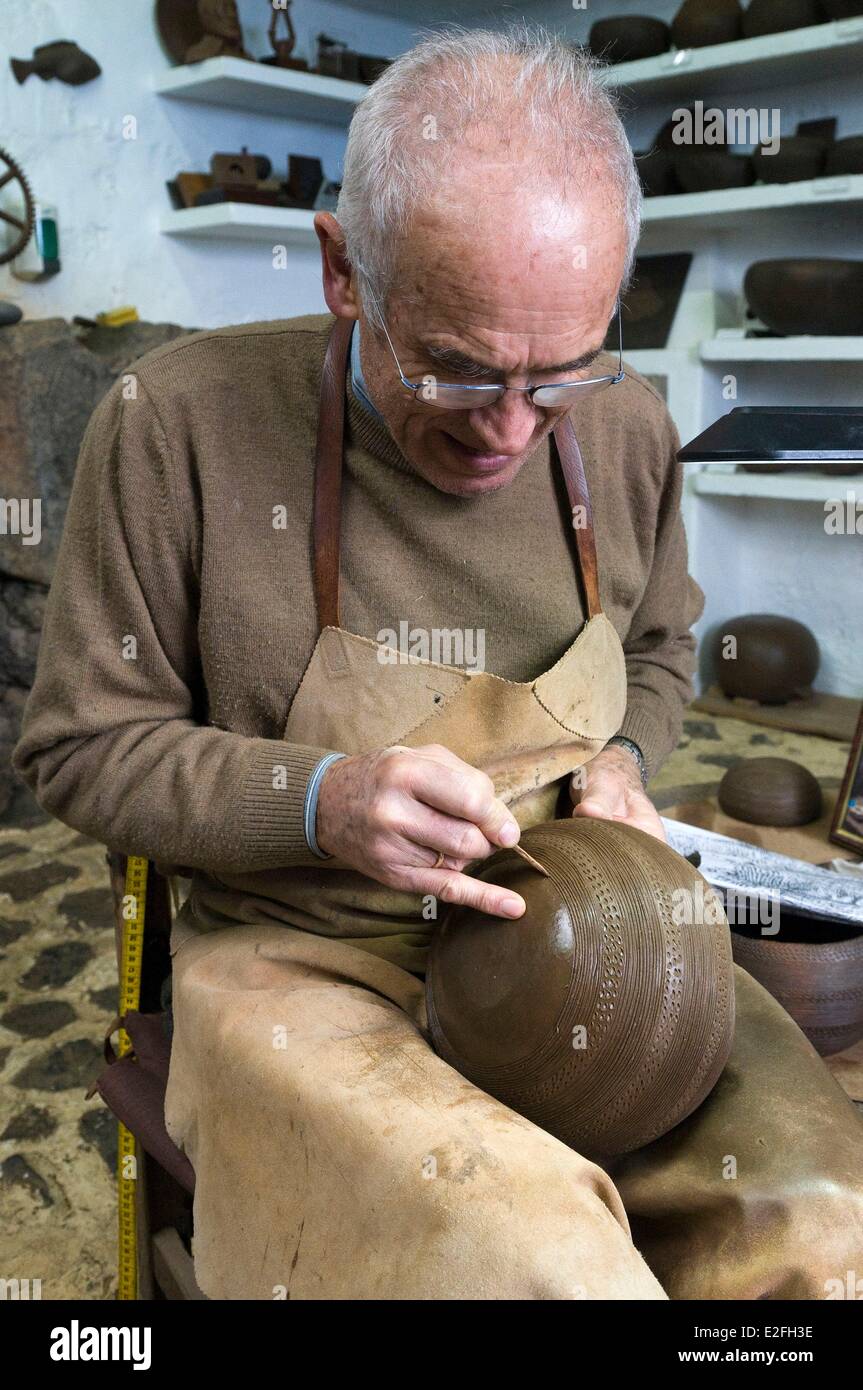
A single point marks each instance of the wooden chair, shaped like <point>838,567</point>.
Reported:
<point>133,1087</point>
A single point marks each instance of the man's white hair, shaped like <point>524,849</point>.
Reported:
<point>408,130</point>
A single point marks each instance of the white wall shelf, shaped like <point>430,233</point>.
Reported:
<point>795,486</point>
<point>241,222</point>
<point>748,65</point>
<point>725,206</point>
<point>799,349</point>
<point>265,90</point>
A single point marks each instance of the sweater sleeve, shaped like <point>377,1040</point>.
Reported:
<point>115,739</point>
<point>660,647</point>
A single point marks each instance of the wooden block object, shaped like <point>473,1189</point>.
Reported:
<point>831,716</point>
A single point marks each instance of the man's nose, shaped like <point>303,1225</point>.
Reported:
<point>505,427</point>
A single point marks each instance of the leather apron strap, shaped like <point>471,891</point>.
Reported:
<point>329,456</point>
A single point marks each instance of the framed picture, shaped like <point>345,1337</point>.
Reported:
<point>847,828</point>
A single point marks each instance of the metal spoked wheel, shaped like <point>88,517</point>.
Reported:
<point>10,172</point>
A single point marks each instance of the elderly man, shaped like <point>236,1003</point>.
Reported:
<point>312,688</point>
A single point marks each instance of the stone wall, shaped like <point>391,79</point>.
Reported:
<point>52,375</point>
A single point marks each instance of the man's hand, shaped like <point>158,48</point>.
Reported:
<point>391,813</point>
<point>612,791</point>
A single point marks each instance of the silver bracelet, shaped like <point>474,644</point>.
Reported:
<point>621,742</point>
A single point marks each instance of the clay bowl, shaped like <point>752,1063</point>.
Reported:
<point>601,1015</point>
<point>815,970</point>
<point>656,171</point>
<point>699,23</point>
<point>625,39</point>
<point>807,295</point>
<point>770,791</point>
<point>179,26</point>
<point>699,170</point>
<point>798,157</point>
<point>777,658</point>
<point>775,16</point>
<point>845,156</point>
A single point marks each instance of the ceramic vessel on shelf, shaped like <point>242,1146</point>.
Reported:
<point>807,295</point>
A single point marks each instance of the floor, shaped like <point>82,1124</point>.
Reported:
<point>58,996</point>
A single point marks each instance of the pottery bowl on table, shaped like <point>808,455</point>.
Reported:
<point>770,791</point>
<point>700,23</point>
<point>845,156</point>
<point>772,658</point>
<point>629,37</point>
<point>600,1015</point>
<point>807,295</point>
<point>699,170</point>
<point>798,157</point>
<point>777,16</point>
<point>815,970</point>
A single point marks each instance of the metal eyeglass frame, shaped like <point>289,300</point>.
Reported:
<point>416,387</point>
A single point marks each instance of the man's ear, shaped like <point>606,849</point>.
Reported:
<point>339,291</point>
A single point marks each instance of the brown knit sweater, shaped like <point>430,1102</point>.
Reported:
<point>181,618</point>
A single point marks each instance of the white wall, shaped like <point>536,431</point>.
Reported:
<point>110,192</point>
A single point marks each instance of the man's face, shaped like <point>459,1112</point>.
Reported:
<point>498,282</point>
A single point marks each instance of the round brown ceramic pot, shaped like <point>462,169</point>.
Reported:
<point>776,658</point>
<point>798,157</point>
<point>845,156</point>
<point>807,295</point>
<point>700,170</point>
<point>604,1015</point>
<point>179,26</point>
<point>815,970</point>
<point>770,791</point>
<point>656,171</point>
<point>699,23</point>
<point>628,38</point>
<point>775,16</point>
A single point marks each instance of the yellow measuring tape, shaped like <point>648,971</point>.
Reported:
<point>134,906</point>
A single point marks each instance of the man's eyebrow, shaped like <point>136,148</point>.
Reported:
<point>468,366</point>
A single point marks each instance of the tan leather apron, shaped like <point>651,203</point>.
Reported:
<point>337,1157</point>
<point>529,737</point>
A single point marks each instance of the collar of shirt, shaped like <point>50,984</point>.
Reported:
<point>357,379</point>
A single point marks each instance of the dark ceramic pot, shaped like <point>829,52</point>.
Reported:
<point>770,791</point>
<point>798,157</point>
<point>699,170</point>
<point>842,9</point>
<point>845,156</point>
<point>179,26</point>
<point>807,296</point>
<point>507,1000</point>
<point>628,38</point>
<point>775,16</point>
<point>699,23</point>
<point>656,171</point>
<point>776,658</point>
<point>815,970</point>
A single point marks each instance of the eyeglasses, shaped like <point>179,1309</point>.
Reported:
<point>448,396</point>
